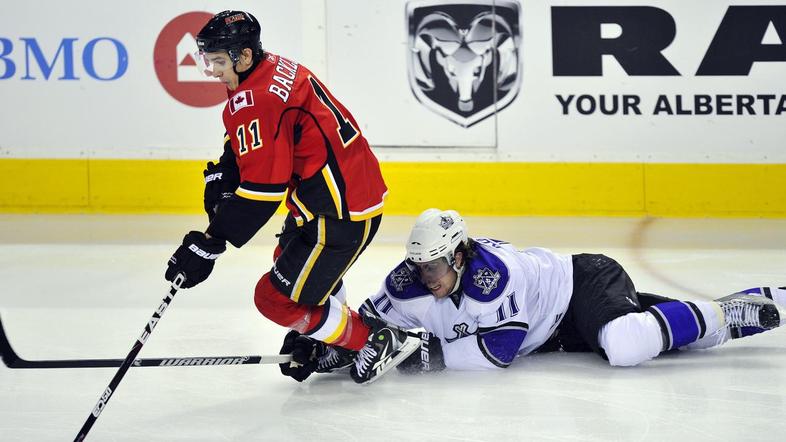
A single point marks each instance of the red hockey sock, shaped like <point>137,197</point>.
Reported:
<point>332,323</point>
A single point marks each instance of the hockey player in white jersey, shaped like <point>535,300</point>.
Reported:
<point>482,303</point>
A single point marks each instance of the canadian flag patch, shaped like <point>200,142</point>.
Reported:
<point>240,100</point>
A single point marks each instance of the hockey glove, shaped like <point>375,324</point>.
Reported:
<point>195,258</point>
<point>221,181</point>
<point>305,355</point>
<point>429,358</point>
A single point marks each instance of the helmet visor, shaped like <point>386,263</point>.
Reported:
<point>431,271</point>
<point>211,63</point>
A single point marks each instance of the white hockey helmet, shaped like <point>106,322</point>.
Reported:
<point>436,234</point>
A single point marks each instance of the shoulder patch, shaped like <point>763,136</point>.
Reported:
<point>401,283</point>
<point>240,100</point>
<point>486,279</point>
<point>486,276</point>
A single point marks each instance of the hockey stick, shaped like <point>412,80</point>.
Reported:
<point>113,384</point>
<point>12,360</point>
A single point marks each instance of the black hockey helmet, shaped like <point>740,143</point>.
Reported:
<point>231,31</point>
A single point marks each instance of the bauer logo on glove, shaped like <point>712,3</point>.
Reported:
<point>195,258</point>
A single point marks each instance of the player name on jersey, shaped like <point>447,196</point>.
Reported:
<point>288,71</point>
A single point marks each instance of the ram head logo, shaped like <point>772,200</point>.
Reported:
<point>464,60</point>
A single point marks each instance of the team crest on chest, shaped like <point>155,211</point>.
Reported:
<point>486,280</point>
<point>401,278</point>
<point>461,330</point>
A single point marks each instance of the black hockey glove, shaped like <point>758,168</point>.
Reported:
<point>429,358</point>
<point>305,353</point>
<point>195,258</point>
<point>221,181</point>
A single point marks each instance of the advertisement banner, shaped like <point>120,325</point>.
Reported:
<point>469,80</point>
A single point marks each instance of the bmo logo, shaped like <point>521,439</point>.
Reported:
<point>175,65</point>
<point>34,58</point>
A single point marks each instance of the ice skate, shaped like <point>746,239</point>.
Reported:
<point>387,346</point>
<point>747,311</point>
<point>335,359</point>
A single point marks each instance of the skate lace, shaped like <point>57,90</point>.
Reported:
<point>329,359</point>
<point>364,358</point>
<point>742,314</point>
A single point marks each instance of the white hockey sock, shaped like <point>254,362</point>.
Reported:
<point>334,323</point>
<point>710,340</point>
<point>341,294</point>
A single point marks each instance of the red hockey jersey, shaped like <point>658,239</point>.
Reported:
<point>288,132</point>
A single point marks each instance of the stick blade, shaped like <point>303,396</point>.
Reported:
<point>7,353</point>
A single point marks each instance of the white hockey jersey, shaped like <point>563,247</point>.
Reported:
<point>510,303</point>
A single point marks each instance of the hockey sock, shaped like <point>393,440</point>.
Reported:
<point>341,294</point>
<point>683,322</point>
<point>333,322</point>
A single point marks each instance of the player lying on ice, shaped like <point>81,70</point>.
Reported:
<point>483,302</point>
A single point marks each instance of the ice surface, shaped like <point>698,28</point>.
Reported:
<point>83,286</point>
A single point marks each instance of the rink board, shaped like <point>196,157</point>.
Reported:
<point>486,188</point>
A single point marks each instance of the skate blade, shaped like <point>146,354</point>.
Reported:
<point>411,345</point>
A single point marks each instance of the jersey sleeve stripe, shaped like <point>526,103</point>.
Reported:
<point>259,195</point>
<point>369,212</point>
<point>333,188</point>
<point>506,326</point>
<point>261,187</point>
<point>501,345</point>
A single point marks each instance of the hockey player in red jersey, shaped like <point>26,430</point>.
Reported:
<point>288,138</point>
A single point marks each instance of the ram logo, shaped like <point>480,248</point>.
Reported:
<point>464,56</point>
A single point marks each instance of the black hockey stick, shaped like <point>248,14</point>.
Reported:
<point>12,360</point>
<point>129,360</point>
